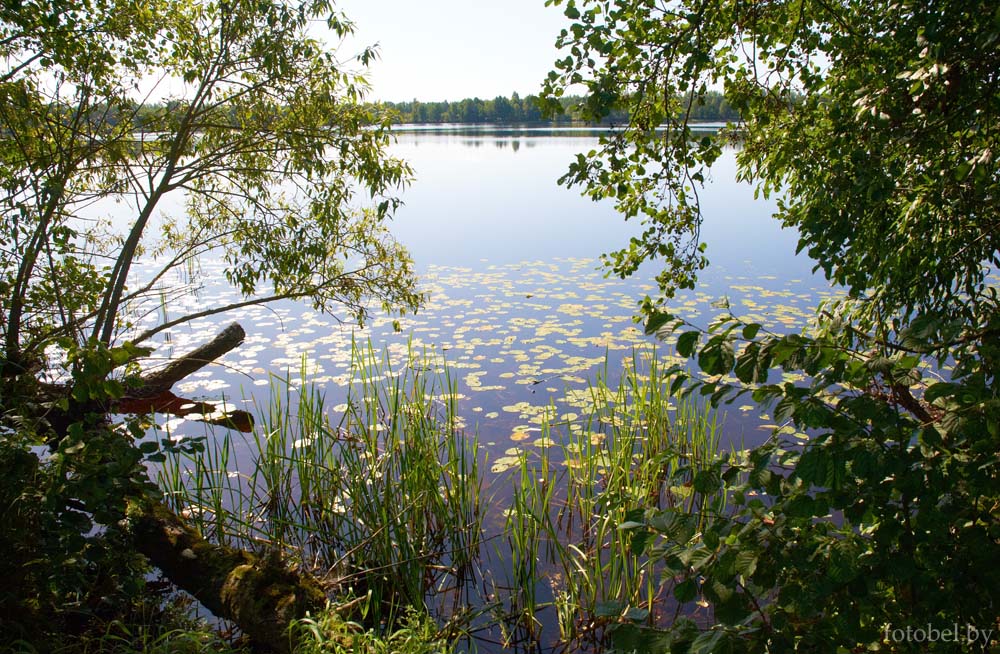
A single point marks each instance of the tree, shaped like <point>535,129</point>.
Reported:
<point>261,130</point>
<point>853,118</point>
<point>875,125</point>
<point>267,141</point>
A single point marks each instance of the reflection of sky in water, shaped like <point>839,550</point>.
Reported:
<point>495,197</point>
<point>517,304</point>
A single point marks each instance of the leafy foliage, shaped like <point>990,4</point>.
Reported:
<point>60,574</point>
<point>261,134</point>
<point>878,133</point>
<point>875,126</point>
<point>267,142</point>
<point>885,518</point>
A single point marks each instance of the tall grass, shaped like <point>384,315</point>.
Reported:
<point>381,497</point>
<point>636,448</point>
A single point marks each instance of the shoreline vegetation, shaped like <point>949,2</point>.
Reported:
<point>386,500</point>
<point>710,107</point>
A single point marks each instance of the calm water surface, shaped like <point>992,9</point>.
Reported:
<point>517,303</point>
<point>516,294</point>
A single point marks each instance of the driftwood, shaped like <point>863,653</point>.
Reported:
<point>158,381</point>
<point>261,596</point>
<point>152,393</point>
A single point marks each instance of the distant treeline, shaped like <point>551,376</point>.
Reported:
<point>712,107</point>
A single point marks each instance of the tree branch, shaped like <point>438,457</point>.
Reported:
<point>161,380</point>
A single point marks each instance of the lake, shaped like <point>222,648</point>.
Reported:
<point>517,302</point>
<point>518,306</point>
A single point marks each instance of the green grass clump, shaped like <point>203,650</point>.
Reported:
<point>380,497</point>
<point>415,633</point>
<point>638,447</point>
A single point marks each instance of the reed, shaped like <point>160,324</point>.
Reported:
<point>383,496</point>
<point>636,448</point>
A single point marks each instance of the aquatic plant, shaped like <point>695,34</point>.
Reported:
<point>382,496</point>
<point>576,495</point>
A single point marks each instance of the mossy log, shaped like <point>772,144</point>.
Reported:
<point>261,595</point>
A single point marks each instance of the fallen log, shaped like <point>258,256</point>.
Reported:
<point>261,595</point>
<point>158,381</point>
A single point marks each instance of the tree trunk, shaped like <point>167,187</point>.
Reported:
<point>261,596</point>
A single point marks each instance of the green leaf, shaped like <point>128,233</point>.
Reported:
<point>686,342</point>
<point>640,540</point>
<point>656,321</point>
<point>785,409</point>
<point>709,642</point>
<point>74,448</point>
<point>746,563</point>
<point>685,591</point>
<point>941,389</point>
<point>149,447</point>
<point>717,357</point>
<point>636,614</point>
<point>813,466</point>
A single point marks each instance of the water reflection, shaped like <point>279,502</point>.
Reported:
<point>510,263</point>
<point>517,302</point>
<point>504,204</point>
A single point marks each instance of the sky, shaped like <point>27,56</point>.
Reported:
<point>434,50</point>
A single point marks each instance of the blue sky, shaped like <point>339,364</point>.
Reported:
<point>454,49</point>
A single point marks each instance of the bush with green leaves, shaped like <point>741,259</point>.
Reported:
<point>66,560</point>
<point>876,127</point>
<point>888,517</point>
<point>240,112</point>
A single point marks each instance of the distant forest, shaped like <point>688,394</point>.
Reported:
<point>515,109</point>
